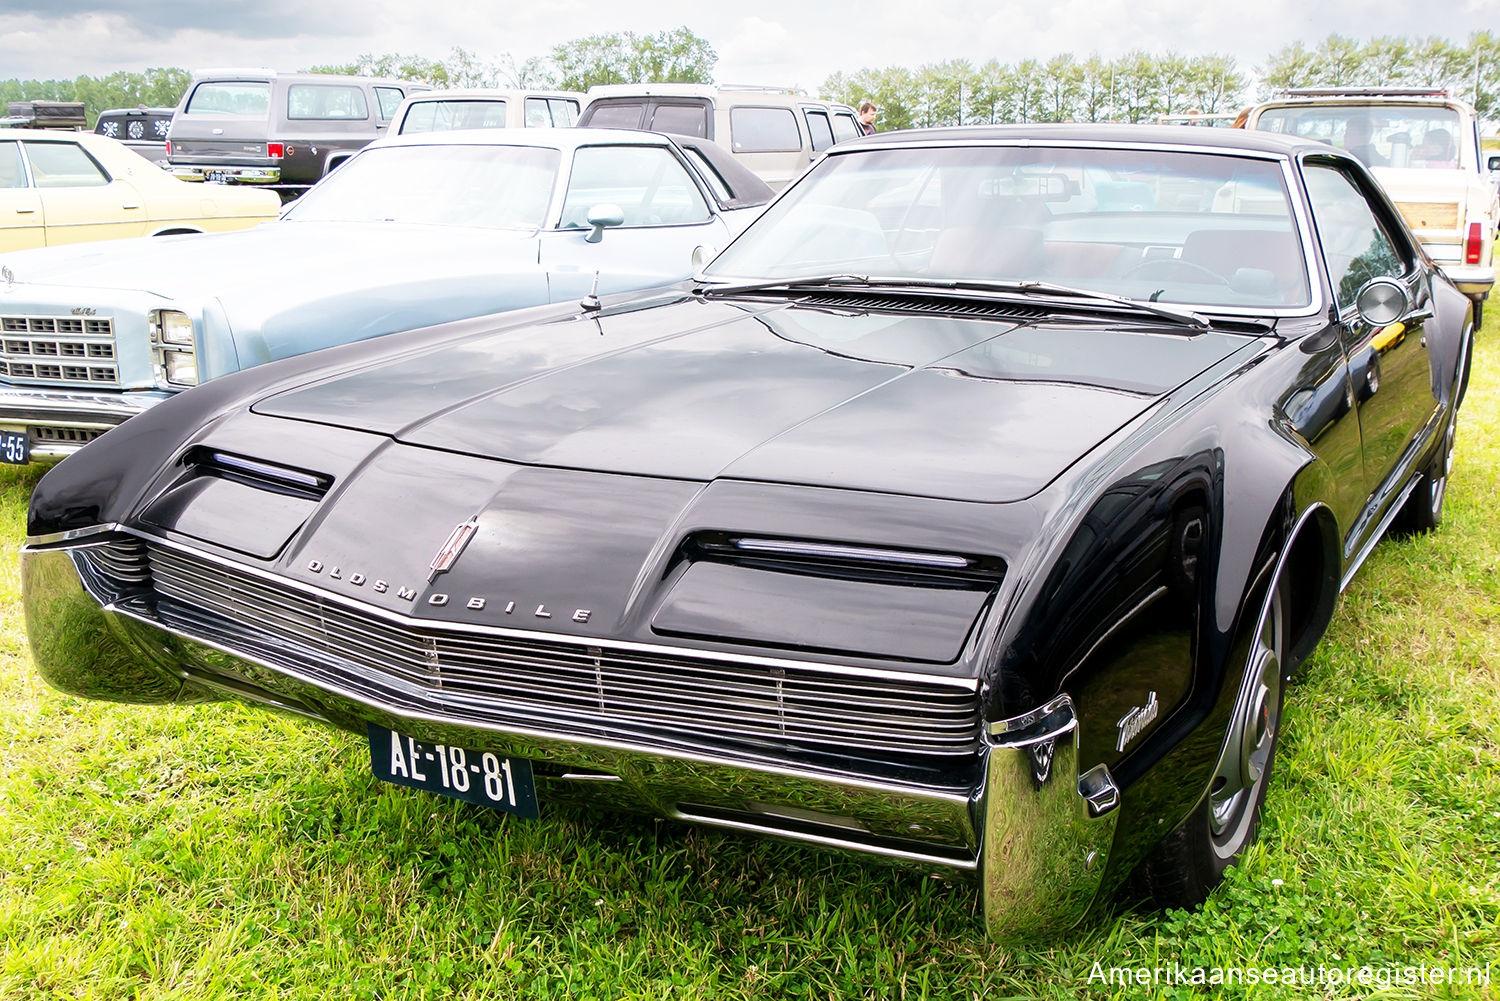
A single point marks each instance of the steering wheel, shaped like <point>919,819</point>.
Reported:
<point>1169,263</point>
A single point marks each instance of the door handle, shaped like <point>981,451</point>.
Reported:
<point>130,205</point>
<point>24,211</point>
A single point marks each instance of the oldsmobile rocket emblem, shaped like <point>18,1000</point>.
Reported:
<point>448,555</point>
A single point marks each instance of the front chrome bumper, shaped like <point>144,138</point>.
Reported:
<point>1036,832</point>
<point>61,421</point>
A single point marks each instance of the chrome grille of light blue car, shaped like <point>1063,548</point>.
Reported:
<point>495,677</point>
<point>58,350</point>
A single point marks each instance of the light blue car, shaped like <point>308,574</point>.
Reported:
<point>414,230</point>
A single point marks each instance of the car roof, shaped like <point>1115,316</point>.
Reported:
<point>1073,133</point>
<point>505,92</point>
<point>562,139</point>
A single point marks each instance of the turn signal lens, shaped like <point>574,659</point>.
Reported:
<point>1473,244</point>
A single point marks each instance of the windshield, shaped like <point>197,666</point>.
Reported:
<point>493,187</point>
<point>1381,134</point>
<point>1152,225</point>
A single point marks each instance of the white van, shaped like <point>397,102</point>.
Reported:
<point>474,108</point>
<point>775,133</point>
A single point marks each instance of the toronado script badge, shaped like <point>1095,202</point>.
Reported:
<point>1133,722</point>
<point>453,548</point>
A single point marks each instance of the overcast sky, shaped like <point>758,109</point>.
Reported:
<point>770,41</point>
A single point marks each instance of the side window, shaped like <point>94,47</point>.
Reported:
<point>389,99</point>
<point>564,111</point>
<point>844,126</point>
<point>649,184</point>
<point>321,102</point>
<point>1355,244</point>
<point>12,173</point>
<point>820,130</point>
<point>709,174</point>
<point>63,165</point>
<point>538,115</point>
<point>764,130</point>
<point>681,119</point>
<point>616,115</point>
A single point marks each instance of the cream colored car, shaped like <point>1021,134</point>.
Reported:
<point>1423,147</point>
<point>68,187</point>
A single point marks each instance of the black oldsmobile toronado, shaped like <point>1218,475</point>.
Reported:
<point>972,509</point>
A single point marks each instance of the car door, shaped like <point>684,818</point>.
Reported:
<point>1390,368</point>
<point>80,199</point>
<point>21,215</point>
<point>666,216</point>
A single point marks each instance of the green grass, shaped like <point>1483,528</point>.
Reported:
<point>221,852</point>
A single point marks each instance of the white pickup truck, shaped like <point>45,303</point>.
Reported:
<point>1423,147</point>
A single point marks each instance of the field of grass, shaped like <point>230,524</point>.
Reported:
<point>220,852</point>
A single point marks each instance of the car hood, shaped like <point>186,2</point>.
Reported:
<point>984,409</point>
<point>314,256</point>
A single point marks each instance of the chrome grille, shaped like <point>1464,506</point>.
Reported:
<point>58,350</point>
<point>498,677</point>
<point>54,435</point>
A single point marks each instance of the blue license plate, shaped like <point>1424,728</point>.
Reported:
<point>15,447</point>
<point>481,777</point>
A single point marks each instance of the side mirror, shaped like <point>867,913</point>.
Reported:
<point>1382,301</point>
<point>602,215</point>
<point>702,254</point>
<point>1494,163</point>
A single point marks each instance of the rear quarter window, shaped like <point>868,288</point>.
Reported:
<point>764,130</point>
<point>326,103</point>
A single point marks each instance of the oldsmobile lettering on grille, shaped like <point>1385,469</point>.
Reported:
<point>438,599</point>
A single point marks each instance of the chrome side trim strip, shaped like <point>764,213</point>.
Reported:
<point>1379,533</point>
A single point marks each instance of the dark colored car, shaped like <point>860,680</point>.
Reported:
<point>973,509</point>
<point>143,129</point>
<point>282,130</point>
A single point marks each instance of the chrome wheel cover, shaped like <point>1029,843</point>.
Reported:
<point>1246,757</point>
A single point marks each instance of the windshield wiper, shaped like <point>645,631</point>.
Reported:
<point>1168,312</point>
<point>1026,287</point>
<point>809,281</point>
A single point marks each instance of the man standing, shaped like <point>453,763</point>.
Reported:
<point>867,113</point>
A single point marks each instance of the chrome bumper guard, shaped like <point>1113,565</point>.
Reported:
<point>1045,825</point>
<point>1037,832</point>
<point>76,416</point>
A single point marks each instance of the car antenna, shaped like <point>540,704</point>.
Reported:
<point>590,302</point>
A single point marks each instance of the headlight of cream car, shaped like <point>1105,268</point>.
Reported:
<point>172,348</point>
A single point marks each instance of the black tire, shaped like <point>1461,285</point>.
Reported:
<point>1423,510</point>
<point>1478,314</point>
<point>1192,860</point>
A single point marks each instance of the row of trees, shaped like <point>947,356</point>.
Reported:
<point>1141,85</point>
<point>1135,87</point>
